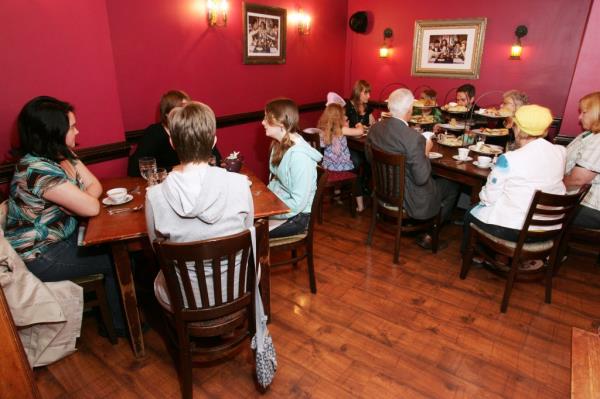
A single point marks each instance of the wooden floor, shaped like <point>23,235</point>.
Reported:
<point>373,330</point>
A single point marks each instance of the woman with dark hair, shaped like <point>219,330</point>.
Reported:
<point>50,187</point>
<point>155,141</point>
<point>359,114</point>
<point>293,167</point>
<point>358,109</point>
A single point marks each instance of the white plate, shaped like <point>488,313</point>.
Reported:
<point>464,160</point>
<point>435,155</point>
<point>458,126</point>
<point>482,132</point>
<point>109,202</point>
<point>484,113</point>
<point>494,149</point>
<point>481,166</point>
<point>424,106</point>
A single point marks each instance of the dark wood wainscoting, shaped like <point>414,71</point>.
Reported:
<point>111,151</point>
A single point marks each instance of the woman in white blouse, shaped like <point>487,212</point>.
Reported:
<point>583,161</point>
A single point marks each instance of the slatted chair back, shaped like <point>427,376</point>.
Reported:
<point>388,173</point>
<point>190,270</point>
<point>549,216</point>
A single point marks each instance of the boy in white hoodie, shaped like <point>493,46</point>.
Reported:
<point>197,201</point>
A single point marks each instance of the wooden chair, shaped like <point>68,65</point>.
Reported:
<point>201,331</point>
<point>94,284</point>
<point>388,197</point>
<point>345,182</point>
<point>552,212</point>
<point>313,137</point>
<point>304,240</point>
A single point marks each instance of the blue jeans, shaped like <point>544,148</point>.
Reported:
<point>64,260</point>
<point>294,225</point>
<point>587,217</point>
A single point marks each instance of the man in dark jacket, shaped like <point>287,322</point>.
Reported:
<point>423,195</point>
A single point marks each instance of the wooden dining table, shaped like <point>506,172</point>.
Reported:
<point>463,172</point>
<point>126,232</point>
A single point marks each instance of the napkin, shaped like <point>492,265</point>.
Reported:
<point>427,135</point>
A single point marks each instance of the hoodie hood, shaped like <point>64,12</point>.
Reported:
<point>188,196</point>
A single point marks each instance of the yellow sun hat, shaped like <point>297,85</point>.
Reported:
<point>533,119</point>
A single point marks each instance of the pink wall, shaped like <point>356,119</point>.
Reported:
<point>159,45</point>
<point>60,48</point>
<point>586,78</point>
<point>546,66</point>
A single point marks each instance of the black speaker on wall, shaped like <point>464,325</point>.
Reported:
<point>358,22</point>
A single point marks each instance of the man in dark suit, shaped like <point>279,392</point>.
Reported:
<point>423,195</point>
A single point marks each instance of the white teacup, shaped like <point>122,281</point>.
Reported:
<point>484,161</point>
<point>463,153</point>
<point>117,195</point>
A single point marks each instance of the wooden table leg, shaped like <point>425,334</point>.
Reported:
<point>127,290</point>
<point>475,189</point>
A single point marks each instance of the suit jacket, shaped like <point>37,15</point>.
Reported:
<point>421,198</point>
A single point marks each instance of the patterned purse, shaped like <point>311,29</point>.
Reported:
<point>262,343</point>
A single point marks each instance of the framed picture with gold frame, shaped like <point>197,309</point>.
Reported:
<point>448,48</point>
<point>264,34</point>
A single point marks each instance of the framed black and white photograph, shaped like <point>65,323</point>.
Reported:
<point>264,34</point>
<point>449,48</point>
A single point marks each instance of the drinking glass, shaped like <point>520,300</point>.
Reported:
<point>157,176</point>
<point>147,165</point>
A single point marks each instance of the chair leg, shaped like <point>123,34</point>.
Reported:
<point>185,370</point>
<point>373,220</point>
<point>467,259</point>
<point>397,241</point>
<point>320,206</point>
<point>104,312</point>
<point>311,271</point>
<point>435,233</point>
<point>295,255</point>
<point>510,281</point>
<point>552,262</point>
<point>351,201</point>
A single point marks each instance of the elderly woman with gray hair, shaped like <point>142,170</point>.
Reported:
<point>423,195</point>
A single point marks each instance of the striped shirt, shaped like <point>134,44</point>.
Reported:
<point>33,223</point>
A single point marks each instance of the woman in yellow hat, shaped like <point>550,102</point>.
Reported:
<point>536,164</point>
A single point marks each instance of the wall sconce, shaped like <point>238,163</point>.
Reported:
<point>384,50</point>
<point>216,12</point>
<point>517,49</point>
<point>303,20</point>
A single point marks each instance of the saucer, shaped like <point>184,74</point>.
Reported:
<point>435,155</point>
<point>482,167</point>
<point>464,160</point>
<point>109,202</point>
